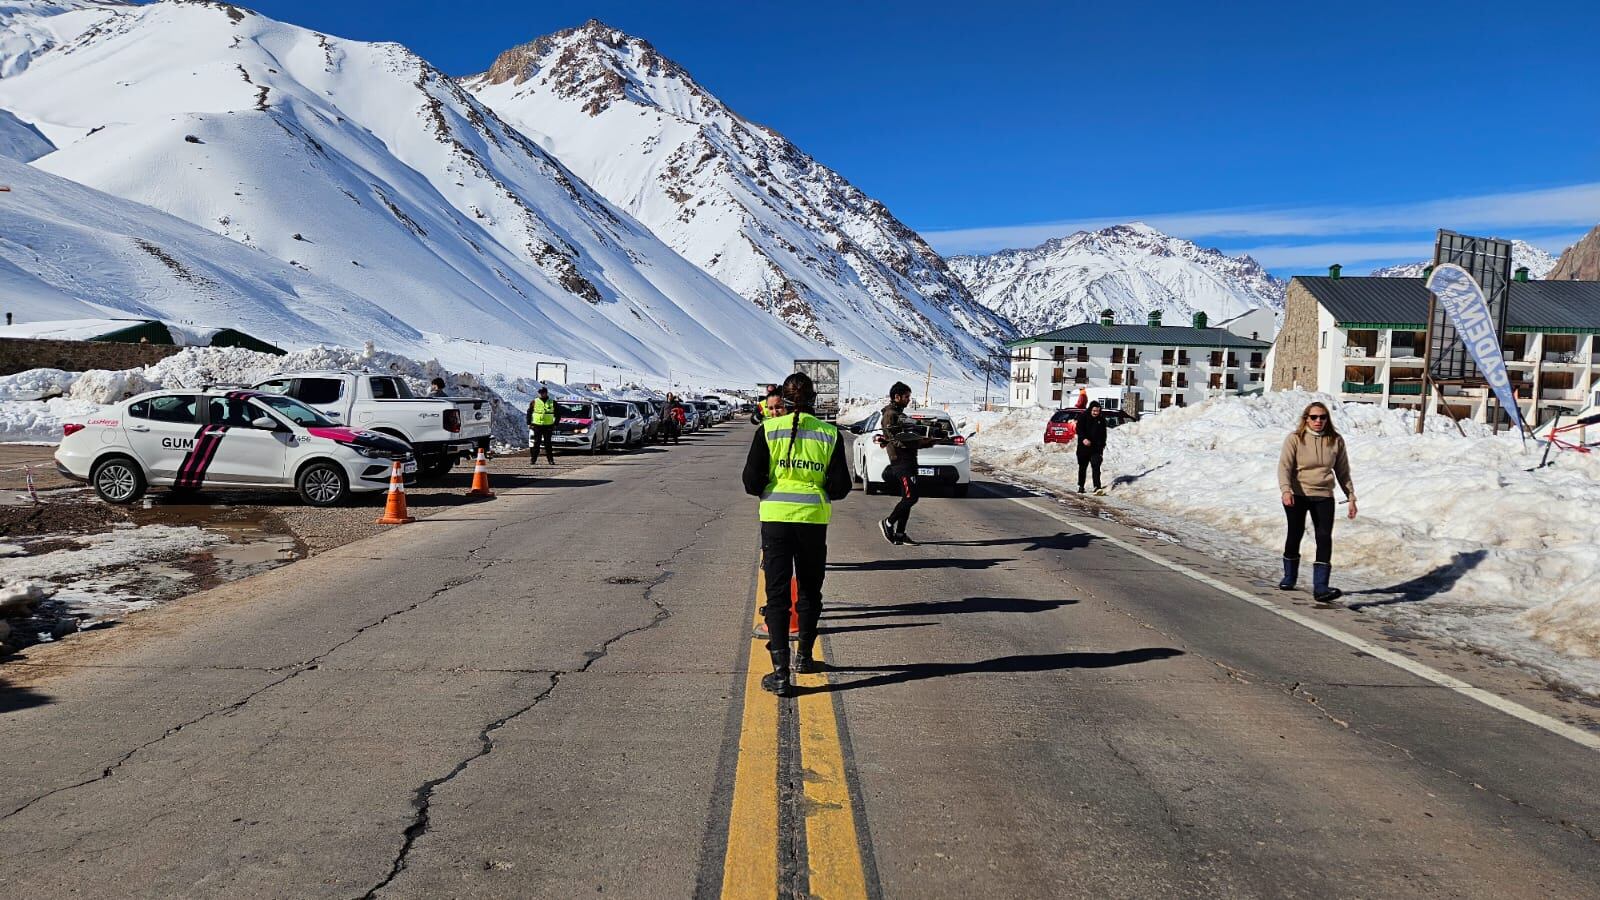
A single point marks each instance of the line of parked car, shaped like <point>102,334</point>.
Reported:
<point>326,435</point>
<point>592,425</point>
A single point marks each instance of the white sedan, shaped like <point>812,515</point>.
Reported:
<point>189,440</point>
<point>948,463</point>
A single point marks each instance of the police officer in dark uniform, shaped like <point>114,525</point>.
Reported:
<point>796,466</point>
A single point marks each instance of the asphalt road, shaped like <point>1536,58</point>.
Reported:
<point>550,695</point>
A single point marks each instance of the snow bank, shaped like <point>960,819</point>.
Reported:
<point>1456,537</point>
<point>33,404</point>
<point>36,384</point>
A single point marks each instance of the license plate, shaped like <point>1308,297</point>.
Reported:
<point>409,468</point>
<point>926,471</point>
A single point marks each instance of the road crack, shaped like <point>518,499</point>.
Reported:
<point>422,798</point>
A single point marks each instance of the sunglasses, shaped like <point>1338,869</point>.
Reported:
<point>1316,418</point>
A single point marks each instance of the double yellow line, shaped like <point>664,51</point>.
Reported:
<point>756,830</point>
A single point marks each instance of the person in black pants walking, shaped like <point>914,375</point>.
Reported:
<point>902,443</point>
<point>796,466</point>
<point>1313,459</point>
<point>1091,428</point>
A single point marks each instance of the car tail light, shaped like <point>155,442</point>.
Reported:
<point>452,420</point>
<point>960,440</point>
<point>70,428</point>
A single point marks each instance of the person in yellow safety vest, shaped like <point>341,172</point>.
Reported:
<point>796,466</point>
<point>542,426</point>
<point>769,407</point>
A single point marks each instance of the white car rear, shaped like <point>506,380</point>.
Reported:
<point>948,463</point>
<point>210,439</point>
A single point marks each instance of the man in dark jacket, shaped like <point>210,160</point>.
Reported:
<point>902,444</point>
<point>1091,444</point>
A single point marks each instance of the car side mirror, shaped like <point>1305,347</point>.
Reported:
<point>265,423</point>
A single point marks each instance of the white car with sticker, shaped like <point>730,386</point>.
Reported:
<point>210,439</point>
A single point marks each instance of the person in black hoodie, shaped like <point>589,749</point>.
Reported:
<point>1091,427</point>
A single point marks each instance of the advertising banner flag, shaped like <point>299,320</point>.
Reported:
<point>1462,299</point>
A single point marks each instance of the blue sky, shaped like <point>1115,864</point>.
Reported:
<point>1302,133</point>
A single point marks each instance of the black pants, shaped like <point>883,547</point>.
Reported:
<point>902,478</point>
<point>543,434</point>
<point>1086,459</point>
<point>792,550</point>
<point>1321,510</point>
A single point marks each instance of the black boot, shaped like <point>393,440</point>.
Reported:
<point>1291,573</point>
<point>1320,591</point>
<point>778,681</point>
<point>804,662</point>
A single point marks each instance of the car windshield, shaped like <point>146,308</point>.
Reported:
<point>616,410</point>
<point>1063,415</point>
<point>295,411</point>
<point>573,411</point>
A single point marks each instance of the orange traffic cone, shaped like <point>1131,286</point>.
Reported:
<point>394,511</point>
<point>794,613</point>
<point>480,478</point>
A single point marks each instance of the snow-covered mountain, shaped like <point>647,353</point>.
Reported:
<point>31,27</point>
<point>1539,263</point>
<point>1129,269</point>
<point>739,200</point>
<point>363,166</point>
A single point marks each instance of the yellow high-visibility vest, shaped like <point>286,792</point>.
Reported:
<point>799,446</point>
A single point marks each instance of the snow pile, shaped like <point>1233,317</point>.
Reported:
<point>1456,536</point>
<point>36,384</point>
<point>101,386</point>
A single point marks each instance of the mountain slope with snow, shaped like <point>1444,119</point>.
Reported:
<point>739,200</point>
<point>1129,269</point>
<point>363,165</point>
<point>69,252</point>
<point>1539,263</point>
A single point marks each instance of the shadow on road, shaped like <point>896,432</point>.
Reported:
<point>1056,541</point>
<point>846,629</point>
<point>13,698</point>
<point>944,608</point>
<point>1043,662</point>
<point>1429,584</point>
<point>911,565</point>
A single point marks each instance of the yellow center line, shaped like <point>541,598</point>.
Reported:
<point>750,867</point>
<point>834,863</point>
<point>831,844</point>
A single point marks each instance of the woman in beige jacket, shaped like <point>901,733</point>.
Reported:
<point>1313,460</point>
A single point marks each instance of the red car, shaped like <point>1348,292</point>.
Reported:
<point>1063,426</point>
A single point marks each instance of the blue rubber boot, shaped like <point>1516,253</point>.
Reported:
<point>1291,573</point>
<point>1320,591</point>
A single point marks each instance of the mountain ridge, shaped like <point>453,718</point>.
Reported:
<point>1131,269</point>
<point>738,199</point>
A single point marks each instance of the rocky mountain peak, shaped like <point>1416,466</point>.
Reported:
<point>1580,261</point>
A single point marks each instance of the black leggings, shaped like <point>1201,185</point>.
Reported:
<point>1321,510</point>
<point>798,551</point>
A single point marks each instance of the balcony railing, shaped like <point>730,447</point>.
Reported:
<point>1357,352</point>
<point>1413,390</point>
<point>1361,387</point>
<point>1563,357</point>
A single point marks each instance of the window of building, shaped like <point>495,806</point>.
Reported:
<point>1324,340</point>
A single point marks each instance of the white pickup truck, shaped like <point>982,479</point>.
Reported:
<point>440,430</point>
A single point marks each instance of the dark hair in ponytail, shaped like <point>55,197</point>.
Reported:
<point>798,394</point>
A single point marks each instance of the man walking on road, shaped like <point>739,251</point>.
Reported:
<point>796,466</point>
<point>542,425</point>
<point>902,444</point>
<point>1091,445</point>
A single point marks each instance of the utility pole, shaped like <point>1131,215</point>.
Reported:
<point>927,386</point>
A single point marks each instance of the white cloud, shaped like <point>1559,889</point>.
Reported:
<point>1503,213</point>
